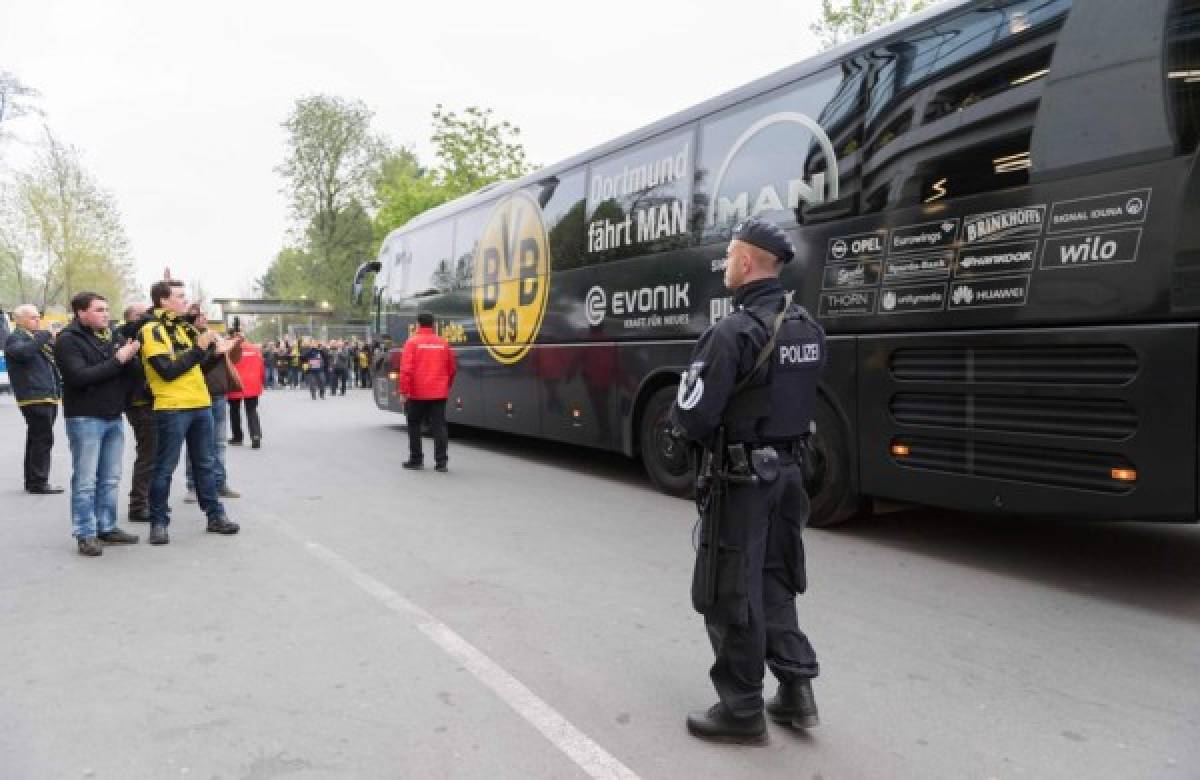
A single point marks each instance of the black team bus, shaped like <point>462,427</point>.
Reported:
<point>996,207</point>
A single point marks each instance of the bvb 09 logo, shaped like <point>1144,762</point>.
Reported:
<point>512,274</point>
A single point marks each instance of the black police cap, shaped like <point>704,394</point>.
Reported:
<point>765,236</point>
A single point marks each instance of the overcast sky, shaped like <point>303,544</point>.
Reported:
<point>177,109</point>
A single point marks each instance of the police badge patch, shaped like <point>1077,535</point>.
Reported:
<point>691,387</point>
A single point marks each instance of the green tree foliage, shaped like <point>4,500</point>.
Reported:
<point>474,149</point>
<point>61,233</point>
<point>404,190</point>
<point>842,20</point>
<point>332,171</point>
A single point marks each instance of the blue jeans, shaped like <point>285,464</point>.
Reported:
<point>96,448</point>
<point>220,414</point>
<point>195,426</point>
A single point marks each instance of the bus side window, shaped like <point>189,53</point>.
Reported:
<point>563,205</point>
<point>952,106</point>
<point>791,156</point>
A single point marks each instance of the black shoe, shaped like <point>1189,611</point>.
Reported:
<point>117,536</point>
<point>222,525</point>
<point>415,465</point>
<point>136,516</point>
<point>158,535</point>
<point>718,725</point>
<point>44,490</point>
<point>256,444</point>
<point>795,704</point>
<point>90,547</point>
<point>235,442</point>
<point>441,467</point>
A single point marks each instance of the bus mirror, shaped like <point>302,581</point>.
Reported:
<point>370,267</point>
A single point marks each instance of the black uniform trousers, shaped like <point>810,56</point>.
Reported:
<point>235,418</point>
<point>766,521</point>
<point>39,440</point>
<point>145,434</point>
<point>433,412</point>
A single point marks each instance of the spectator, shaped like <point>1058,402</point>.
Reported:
<point>341,367</point>
<point>139,411</point>
<point>427,371</point>
<point>268,360</point>
<point>314,368</point>
<point>220,378</point>
<point>294,364</point>
<point>94,392</point>
<point>364,366</point>
<point>172,351</point>
<point>37,386</point>
<point>250,368</point>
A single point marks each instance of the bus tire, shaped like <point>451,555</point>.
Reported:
<point>664,457</point>
<point>832,497</point>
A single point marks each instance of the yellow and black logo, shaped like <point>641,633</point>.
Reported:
<point>512,277</point>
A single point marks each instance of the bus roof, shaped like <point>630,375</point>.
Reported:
<point>737,94</point>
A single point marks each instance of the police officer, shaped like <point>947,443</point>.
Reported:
<point>747,399</point>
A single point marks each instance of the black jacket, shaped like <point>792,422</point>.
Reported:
<point>94,381</point>
<point>31,366</point>
<point>137,389</point>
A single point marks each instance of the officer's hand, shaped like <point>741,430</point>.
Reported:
<point>128,350</point>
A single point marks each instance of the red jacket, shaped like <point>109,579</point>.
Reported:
<point>427,367</point>
<point>250,369</point>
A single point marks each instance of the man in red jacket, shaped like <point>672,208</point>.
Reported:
<point>426,372</point>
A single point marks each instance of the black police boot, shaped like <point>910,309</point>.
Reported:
<point>795,704</point>
<point>719,725</point>
<point>222,525</point>
<point>415,465</point>
<point>158,535</point>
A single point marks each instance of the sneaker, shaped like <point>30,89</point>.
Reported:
<point>222,525</point>
<point>415,465</point>
<point>227,492</point>
<point>90,547</point>
<point>158,535</point>
<point>190,498</point>
<point>117,536</point>
<point>235,442</point>
<point>441,467</point>
<point>256,444</point>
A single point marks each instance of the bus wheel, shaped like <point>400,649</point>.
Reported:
<point>833,500</point>
<point>664,456</point>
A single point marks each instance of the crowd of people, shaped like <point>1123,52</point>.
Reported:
<point>319,365</point>
<point>177,382</point>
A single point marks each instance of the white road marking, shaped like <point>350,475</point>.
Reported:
<point>589,756</point>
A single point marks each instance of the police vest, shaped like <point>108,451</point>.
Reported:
<point>780,403</point>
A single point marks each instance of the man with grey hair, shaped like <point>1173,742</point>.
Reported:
<point>37,386</point>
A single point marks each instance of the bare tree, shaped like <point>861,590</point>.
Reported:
<point>15,99</point>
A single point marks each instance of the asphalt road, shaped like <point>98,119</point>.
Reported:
<point>527,615</point>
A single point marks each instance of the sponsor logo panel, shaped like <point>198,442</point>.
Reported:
<point>845,304</point>
<point>851,275</point>
<point>1017,257</point>
<point>985,293</point>
<point>1108,247</point>
<point>1017,222</point>
<point>915,266</point>
<point>642,307</point>
<point>843,249</point>
<point>922,238</point>
<point>1118,208</point>
<point>912,298</point>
